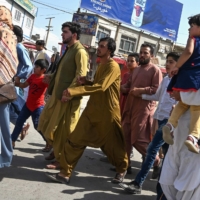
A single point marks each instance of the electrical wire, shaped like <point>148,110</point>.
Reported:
<point>52,7</point>
<point>54,14</point>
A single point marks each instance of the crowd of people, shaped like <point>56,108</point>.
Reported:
<point>120,114</point>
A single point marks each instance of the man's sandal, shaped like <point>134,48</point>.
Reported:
<point>57,178</point>
<point>51,156</point>
<point>119,177</point>
<point>47,148</point>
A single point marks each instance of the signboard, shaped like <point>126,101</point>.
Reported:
<point>155,16</point>
<point>88,23</point>
<point>28,6</point>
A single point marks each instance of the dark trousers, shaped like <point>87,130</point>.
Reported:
<point>23,116</point>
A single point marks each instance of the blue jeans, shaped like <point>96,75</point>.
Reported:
<point>15,109</point>
<point>152,150</point>
<point>5,139</point>
<point>23,116</point>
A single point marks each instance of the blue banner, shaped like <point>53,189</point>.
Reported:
<point>161,17</point>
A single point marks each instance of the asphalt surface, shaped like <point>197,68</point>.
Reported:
<point>91,180</point>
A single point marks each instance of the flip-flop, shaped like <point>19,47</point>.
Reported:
<point>57,178</point>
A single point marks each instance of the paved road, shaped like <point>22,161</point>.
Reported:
<point>91,180</point>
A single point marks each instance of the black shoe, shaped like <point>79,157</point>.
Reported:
<point>57,178</point>
<point>131,187</point>
<point>156,170</point>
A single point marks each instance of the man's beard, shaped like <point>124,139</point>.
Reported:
<point>99,55</point>
<point>144,61</point>
<point>68,40</point>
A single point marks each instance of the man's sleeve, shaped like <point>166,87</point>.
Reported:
<point>25,66</point>
<point>154,97</point>
<point>107,79</point>
<point>48,58</point>
<point>81,60</point>
<point>156,80</point>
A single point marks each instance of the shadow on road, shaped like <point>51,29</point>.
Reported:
<point>91,176</point>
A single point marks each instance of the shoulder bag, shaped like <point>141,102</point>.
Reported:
<point>7,93</point>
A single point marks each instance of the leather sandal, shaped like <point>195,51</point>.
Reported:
<point>56,177</point>
<point>47,148</point>
<point>51,156</point>
<point>119,177</point>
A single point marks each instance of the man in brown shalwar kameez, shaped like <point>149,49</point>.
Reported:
<point>137,114</point>
<point>99,125</point>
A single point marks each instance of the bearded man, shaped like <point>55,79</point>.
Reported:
<point>137,115</point>
<point>59,119</point>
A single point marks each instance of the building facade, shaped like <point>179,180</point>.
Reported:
<point>128,40</point>
<point>23,14</point>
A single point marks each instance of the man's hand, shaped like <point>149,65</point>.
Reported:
<point>65,96</point>
<point>176,95</point>
<point>124,90</point>
<point>81,80</point>
<point>17,81</point>
<point>137,92</point>
<point>174,71</point>
<point>47,78</point>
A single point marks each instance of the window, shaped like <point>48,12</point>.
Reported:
<point>28,22</point>
<point>102,32</point>
<point>17,16</point>
<point>127,45</point>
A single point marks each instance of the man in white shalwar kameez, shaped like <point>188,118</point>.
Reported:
<point>180,177</point>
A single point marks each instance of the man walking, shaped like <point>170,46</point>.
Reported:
<point>24,70</point>
<point>59,119</point>
<point>137,115</point>
<point>99,125</point>
<point>162,114</point>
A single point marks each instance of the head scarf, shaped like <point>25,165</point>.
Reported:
<point>8,42</point>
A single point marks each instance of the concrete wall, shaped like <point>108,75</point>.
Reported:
<point>126,32</point>
<point>24,17</point>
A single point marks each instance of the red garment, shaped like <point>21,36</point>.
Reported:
<point>123,97</point>
<point>36,93</point>
<point>138,10</point>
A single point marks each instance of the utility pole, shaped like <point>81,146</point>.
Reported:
<point>48,28</point>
